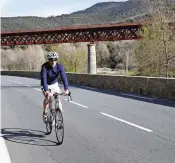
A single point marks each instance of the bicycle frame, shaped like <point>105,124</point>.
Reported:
<point>55,110</point>
<point>56,99</point>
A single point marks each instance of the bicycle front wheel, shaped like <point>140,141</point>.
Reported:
<point>49,122</point>
<point>59,126</point>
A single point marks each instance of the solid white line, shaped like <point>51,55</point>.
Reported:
<point>5,158</point>
<point>37,89</point>
<point>126,122</point>
<point>146,98</point>
<point>77,104</point>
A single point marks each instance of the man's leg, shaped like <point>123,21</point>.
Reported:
<point>45,107</point>
<point>60,105</point>
<point>57,90</point>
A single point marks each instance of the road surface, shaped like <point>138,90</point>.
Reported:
<point>100,126</point>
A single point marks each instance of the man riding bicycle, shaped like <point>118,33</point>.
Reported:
<point>49,80</point>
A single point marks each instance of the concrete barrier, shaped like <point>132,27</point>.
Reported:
<point>149,86</point>
<point>31,74</point>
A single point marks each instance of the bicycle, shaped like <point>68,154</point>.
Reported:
<point>55,115</point>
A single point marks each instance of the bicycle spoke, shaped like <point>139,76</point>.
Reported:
<point>49,122</point>
<point>59,127</point>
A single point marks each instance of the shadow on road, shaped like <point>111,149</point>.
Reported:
<point>27,136</point>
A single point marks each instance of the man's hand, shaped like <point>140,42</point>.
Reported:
<point>47,93</point>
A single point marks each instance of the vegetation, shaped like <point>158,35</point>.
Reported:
<point>155,53</point>
<point>151,56</point>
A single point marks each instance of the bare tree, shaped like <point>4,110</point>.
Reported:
<point>73,56</point>
<point>154,53</point>
<point>102,54</point>
<point>30,58</point>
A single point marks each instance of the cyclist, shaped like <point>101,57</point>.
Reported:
<point>49,80</point>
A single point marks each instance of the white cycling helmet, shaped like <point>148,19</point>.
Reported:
<point>52,55</point>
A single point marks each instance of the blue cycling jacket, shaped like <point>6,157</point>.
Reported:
<point>49,75</point>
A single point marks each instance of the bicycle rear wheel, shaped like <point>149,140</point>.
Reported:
<point>59,126</point>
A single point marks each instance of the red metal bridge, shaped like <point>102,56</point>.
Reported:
<point>93,33</point>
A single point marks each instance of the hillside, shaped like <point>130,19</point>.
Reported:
<point>100,13</point>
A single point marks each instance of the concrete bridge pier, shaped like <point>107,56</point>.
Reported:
<point>92,58</point>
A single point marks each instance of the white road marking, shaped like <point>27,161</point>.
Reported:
<point>27,85</point>
<point>65,99</point>
<point>77,104</point>
<point>21,83</point>
<point>37,89</point>
<point>141,97</point>
<point>17,82</point>
<point>5,158</point>
<point>126,122</point>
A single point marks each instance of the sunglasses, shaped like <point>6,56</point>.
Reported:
<point>51,59</point>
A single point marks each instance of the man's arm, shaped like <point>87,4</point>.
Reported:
<point>44,78</point>
<point>64,77</point>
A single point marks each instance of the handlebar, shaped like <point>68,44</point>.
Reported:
<point>62,94</point>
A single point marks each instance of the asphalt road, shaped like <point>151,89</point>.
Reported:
<point>100,126</point>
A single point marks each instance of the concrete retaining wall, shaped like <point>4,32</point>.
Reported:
<point>151,86</point>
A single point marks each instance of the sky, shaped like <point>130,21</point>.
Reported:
<point>44,8</point>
